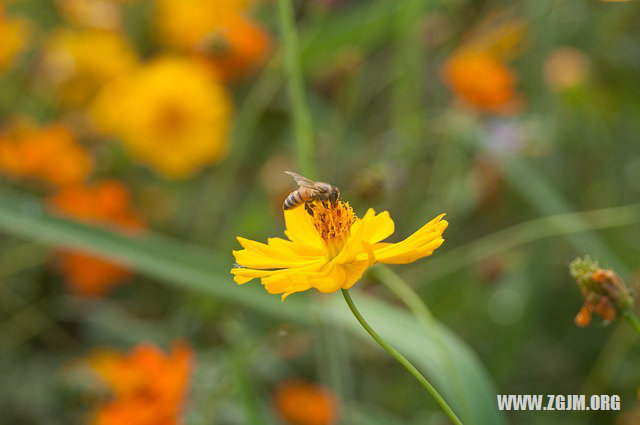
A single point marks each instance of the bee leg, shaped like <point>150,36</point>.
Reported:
<point>308,209</point>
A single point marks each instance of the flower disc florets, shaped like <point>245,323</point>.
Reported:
<point>333,223</point>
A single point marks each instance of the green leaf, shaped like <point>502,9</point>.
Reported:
<point>443,357</point>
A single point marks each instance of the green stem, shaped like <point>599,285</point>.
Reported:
<point>301,116</point>
<point>632,319</point>
<point>403,361</point>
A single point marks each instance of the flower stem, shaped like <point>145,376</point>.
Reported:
<point>403,361</point>
<point>301,117</point>
<point>632,319</point>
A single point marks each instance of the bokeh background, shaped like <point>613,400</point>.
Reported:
<point>138,138</point>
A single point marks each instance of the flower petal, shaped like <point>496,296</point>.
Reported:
<point>354,272</point>
<point>328,279</point>
<point>420,244</point>
<point>301,231</point>
<point>243,275</point>
<point>290,280</point>
<point>377,227</point>
<point>276,254</point>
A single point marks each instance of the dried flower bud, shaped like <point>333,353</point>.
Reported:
<point>603,291</point>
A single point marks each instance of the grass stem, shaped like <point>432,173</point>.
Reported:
<point>303,130</point>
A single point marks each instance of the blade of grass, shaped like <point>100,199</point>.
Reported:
<point>223,183</point>
<point>400,288</point>
<point>407,70</point>
<point>190,267</point>
<point>299,110</point>
<point>402,360</point>
<point>523,233</point>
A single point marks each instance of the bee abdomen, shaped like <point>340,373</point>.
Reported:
<point>293,200</point>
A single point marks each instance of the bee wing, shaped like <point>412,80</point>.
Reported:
<point>302,181</point>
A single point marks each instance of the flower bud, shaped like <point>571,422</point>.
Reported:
<point>603,291</point>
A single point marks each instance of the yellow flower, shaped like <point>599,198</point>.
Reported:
<point>77,63</point>
<point>14,33</point>
<point>329,249</point>
<point>169,114</point>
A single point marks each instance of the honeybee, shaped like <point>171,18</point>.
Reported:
<point>310,191</point>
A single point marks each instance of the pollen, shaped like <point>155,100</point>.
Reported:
<point>333,223</point>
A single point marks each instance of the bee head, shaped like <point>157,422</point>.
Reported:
<point>334,195</point>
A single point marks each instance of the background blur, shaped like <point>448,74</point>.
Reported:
<point>139,117</point>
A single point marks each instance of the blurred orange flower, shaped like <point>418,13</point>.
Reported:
<point>107,203</point>
<point>220,32</point>
<point>481,80</point>
<point>49,153</point>
<point>148,386</point>
<point>170,114</point>
<point>78,62</point>
<point>14,33</point>
<point>477,72</point>
<point>300,403</point>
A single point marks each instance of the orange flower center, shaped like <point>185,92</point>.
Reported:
<point>172,118</point>
<point>217,44</point>
<point>333,223</point>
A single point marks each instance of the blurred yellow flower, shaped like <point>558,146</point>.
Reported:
<point>48,153</point>
<point>14,37</point>
<point>148,386</point>
<point>329,250</point>
<point>219,32</point>
<point>170,114</point>
<point>79,62</point>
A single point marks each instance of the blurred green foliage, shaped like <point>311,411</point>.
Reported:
<point>389,135</point>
